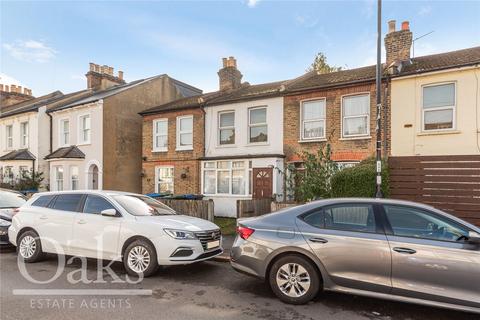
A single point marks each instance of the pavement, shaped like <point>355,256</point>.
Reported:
<point>204,291</point>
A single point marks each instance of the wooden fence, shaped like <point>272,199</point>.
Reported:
<point>195,208</point>
<point>449,183</point>
<point>253,208</point>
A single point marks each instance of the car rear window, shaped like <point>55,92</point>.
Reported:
<point>42,201</point>
<point>67,202</point>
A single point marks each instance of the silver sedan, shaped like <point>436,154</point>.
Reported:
<point>380,248</point>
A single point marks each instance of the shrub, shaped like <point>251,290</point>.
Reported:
<point>359,181</point>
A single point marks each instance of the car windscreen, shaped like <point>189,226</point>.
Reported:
<point>11,200</point>
<point>143,206</point>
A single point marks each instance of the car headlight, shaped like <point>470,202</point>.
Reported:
<point>180,234</point>
<point>5,223</point>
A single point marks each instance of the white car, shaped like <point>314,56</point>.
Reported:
<point>111,225</point>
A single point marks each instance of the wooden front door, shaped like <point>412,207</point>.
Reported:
<point>262,183</point>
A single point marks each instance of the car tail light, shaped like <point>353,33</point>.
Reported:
<point>244,232</point>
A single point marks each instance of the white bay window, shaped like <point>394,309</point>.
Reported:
<point>227,177</point>
<point>356,115</point>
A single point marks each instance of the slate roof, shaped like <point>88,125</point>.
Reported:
<point>435,62</point>
<point>71,152</point>
<point>101,94</point>
<point>30,105</point>
<point>21,154</point>
<point>246,92</point>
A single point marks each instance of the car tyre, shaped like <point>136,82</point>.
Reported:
<point>29,247</point>
<point>294,279</point>
<point>140,258</point>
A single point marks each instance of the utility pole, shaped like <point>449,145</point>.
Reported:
<point>379,193</point>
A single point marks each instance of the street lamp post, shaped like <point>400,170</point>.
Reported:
<point>379,193</point>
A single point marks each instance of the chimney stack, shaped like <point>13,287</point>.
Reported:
<point>102,77</point>
<point>13,94</point>
<point>229,76</point>
<point>398,43</point>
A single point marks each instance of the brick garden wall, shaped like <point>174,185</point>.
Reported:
<point>184,162</point>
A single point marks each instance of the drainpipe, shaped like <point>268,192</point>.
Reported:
<point>387,119</point>
<point>51,132</point>
<point>202,108</point>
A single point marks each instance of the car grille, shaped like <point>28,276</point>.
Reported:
<point>207,236</point>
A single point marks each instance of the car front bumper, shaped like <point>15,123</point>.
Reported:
<point>166,252</point>
<point>4,241</point>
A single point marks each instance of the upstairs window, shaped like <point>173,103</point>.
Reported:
<point>313,119</point>
<point>24,134</point>
<point>185,133</point>
<point>160,135</point>
<point>257,125</point>
<point>226,127</point>
<point>84,134</point>
<point>356,115</point>
<point>9,135</point>
<point>438,107</point>
<point>64,132</point>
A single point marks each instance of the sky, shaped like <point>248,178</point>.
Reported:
<point>47,46</point>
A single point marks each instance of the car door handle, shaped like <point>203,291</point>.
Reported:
<point>318,240</point>
<point>43,217</point>
<point>81,221</point>
<point>404,250</point>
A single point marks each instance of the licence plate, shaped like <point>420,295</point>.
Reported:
<point>213,244</point>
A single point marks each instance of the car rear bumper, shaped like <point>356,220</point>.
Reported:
<point>249,257</point>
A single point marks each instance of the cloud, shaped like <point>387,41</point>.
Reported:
<point>8,80</point>
<point>424,11</point>
<point>369,10</point>
<point>252,3</point>
<point>30,51</point>
<point>306,20</point>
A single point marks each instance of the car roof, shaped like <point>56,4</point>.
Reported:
<point>99,192</point>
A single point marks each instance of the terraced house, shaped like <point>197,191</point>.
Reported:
<point>226,145</point>
<point>96,139</point>
<point>25,135</point>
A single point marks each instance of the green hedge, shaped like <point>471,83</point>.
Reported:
<point>359,181</point>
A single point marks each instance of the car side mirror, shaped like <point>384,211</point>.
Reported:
<point>474,237</point>
<point>109,212</point>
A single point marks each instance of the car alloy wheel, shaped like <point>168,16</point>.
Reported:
<point>293,280</point>
<point>138,259</point>
<point>28,246</point>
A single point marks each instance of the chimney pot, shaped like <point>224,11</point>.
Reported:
<point>7,89</point>
<point>391,26</point>
<point>1,87</point>
<point>405,25</point>
<point>120,74</point>
<point>92,66</point>
<point>225,62</point>
<point>19,89</point>
<point>229,76</point>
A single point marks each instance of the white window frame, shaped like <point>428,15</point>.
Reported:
<point>57,180</point>
<point>220,128</point>
<point>81,129</point>
<point>8,175</point>
<point>250,125</point>
<point>61,133</point>
<point>155,134</point>
<point>353,136</point>
<point>157,177</point>
<point>9,138</point>
<point>247,174</point>
<point>453,108</point>
<point>179,133</point>
<point>72,179</point>
<point>302,121</point>
<point>24,134</point>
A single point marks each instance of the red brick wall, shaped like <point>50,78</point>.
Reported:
<point>184,162</point>
<point>343,149</point>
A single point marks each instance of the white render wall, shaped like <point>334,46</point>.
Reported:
<point>93,151</point>
<point>225,205</point>
<point>241,146</point>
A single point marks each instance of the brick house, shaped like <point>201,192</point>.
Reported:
<point>171,164</point>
